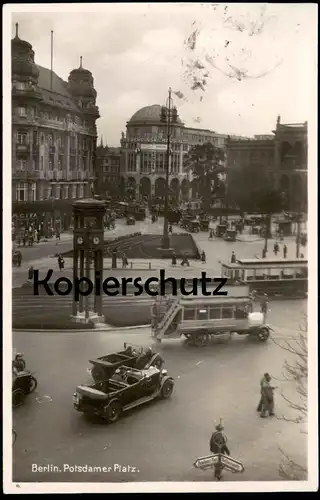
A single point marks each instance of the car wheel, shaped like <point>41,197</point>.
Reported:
<point>263,334</point>
<point>97,374</point>
<point>201,339</point>
<point>167,389</point>
<point>17,398</point>
<point>113,412</point>
<point>33,384</point>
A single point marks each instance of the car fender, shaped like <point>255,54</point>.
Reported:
<point>165,380</point>
<point>113,400</point>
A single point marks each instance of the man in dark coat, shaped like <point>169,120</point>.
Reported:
<point>218,442</point>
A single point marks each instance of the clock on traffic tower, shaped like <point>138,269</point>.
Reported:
<point>88,246</point>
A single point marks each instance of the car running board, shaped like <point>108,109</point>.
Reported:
<point>140,401</point>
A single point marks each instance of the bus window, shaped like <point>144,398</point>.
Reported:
<point>215,313</point>
<point>202,313</point>
<point>227,312</point>
<point>189,313</point>
<point>241,312</point>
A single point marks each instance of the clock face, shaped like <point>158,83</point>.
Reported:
<point>79,240</point>
<point>96,240</point>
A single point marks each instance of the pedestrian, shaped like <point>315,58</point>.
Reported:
<point>203,257</point>
<point>264,306</point>
<point>233,258</point>
<point>57,235</point>
<point>124,261</point>
<point>30,273</point>
<point>276,248</point>
<point>285,251</point>
<point>60,262</point>
<point>174,259</point>
<point>267,392</point>
<point>185,261</point>
<point>252,296</point>
<point>218,443</point>
<point>38,236</point>
<point>170,229</point>
<point>259,407</point>
<point>211,234</point>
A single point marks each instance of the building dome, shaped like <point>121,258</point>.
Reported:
<point>23,58</point>
<point>148,114</point>
<point>80,82</point>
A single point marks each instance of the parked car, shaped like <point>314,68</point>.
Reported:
<point>125,390</point>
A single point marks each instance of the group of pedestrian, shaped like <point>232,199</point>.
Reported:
<point>276,249</point>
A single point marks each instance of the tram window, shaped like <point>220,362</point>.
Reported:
<point>202,313</point>
<point>274,274</point>
<point>250,274</point>
<point>227,312</point>
<point>215,313</point>
<point>189,313</point>
<point>288,273</point>
<point>260,274</point>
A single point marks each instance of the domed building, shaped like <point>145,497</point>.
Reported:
<point>144,155</point>
<point>53,136</point>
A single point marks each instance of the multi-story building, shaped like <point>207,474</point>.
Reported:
<point>108,170</point>
<point>53,132</point>
<point>144,155</point>
<point>281,157</point>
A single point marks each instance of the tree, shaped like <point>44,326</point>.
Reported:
<point>296,372</point>
<point>206,162</point>
<point>253,191</point>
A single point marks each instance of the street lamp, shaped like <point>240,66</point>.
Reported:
<point>169,116</point>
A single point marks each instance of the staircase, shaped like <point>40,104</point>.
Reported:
<point>167,319</point>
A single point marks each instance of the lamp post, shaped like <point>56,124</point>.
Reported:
<point>169,116</point>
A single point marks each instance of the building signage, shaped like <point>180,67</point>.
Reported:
<point>153,147</point>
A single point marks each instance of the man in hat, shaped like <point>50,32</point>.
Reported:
<point>259,407</point>
<point>218,442</point>
<point>267,396</point>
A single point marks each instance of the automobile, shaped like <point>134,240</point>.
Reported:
<point>230,235</point>
<point>132,356</point>
<point>125,390</point>
<point>193,226</point>
<point>131,221</point>
<point>220,230</point>
<point>24,383</point>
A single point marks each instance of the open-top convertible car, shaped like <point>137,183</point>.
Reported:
<point>125,390</point>
<point>132,356</point>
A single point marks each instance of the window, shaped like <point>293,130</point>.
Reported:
<point>66,191</point>
<point>186,147</point>
<point>81,190</point>
<point>41,163</point>
<point>227,312</point>
<point>22,192</point>
<point>57,193</point>
<point>50,164</point>
<point>21,165</point>
<point>189,313</point>
<point>202,313</point>
<point>42,139</point>
<point>22,138</point>
<point>22,111</point>
<point>60,163</point>
<point>240,312</point>
<point>20,85</point>
<point>46,116</point>
<point>50,139</point>
<point>74,191</point>
<point>35,166</point>
<point>215,313</point>
<point>59,140</point>
<point>35,137</point>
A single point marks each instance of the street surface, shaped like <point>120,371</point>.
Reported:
<point>162,439</point>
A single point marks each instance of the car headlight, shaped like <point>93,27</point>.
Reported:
<point>76,398</point>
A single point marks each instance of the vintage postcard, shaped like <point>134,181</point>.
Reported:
<point>160,247</point>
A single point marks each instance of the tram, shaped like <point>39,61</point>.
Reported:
<point>201,318</point>
<point>276,277</point>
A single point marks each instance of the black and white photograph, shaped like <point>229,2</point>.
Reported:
<point>160,241</point>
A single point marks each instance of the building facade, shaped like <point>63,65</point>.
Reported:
<point>144,155</point>
<point>108,171</point>
<point>281,157</point>
<point>53,131</point>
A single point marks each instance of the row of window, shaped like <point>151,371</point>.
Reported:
<point>265,274</point>
<point>214,312</point>
<point>22,137</point>
<point>32,112</point>
<point>28,192</point>
<point>21,164</point>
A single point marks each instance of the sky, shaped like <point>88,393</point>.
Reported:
<point>233,67</point>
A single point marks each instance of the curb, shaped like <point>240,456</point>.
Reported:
<point>77,330</point>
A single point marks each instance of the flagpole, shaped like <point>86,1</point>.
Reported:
<point>51,62</point>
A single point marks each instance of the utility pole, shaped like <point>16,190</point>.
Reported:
<point>169,116</point>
